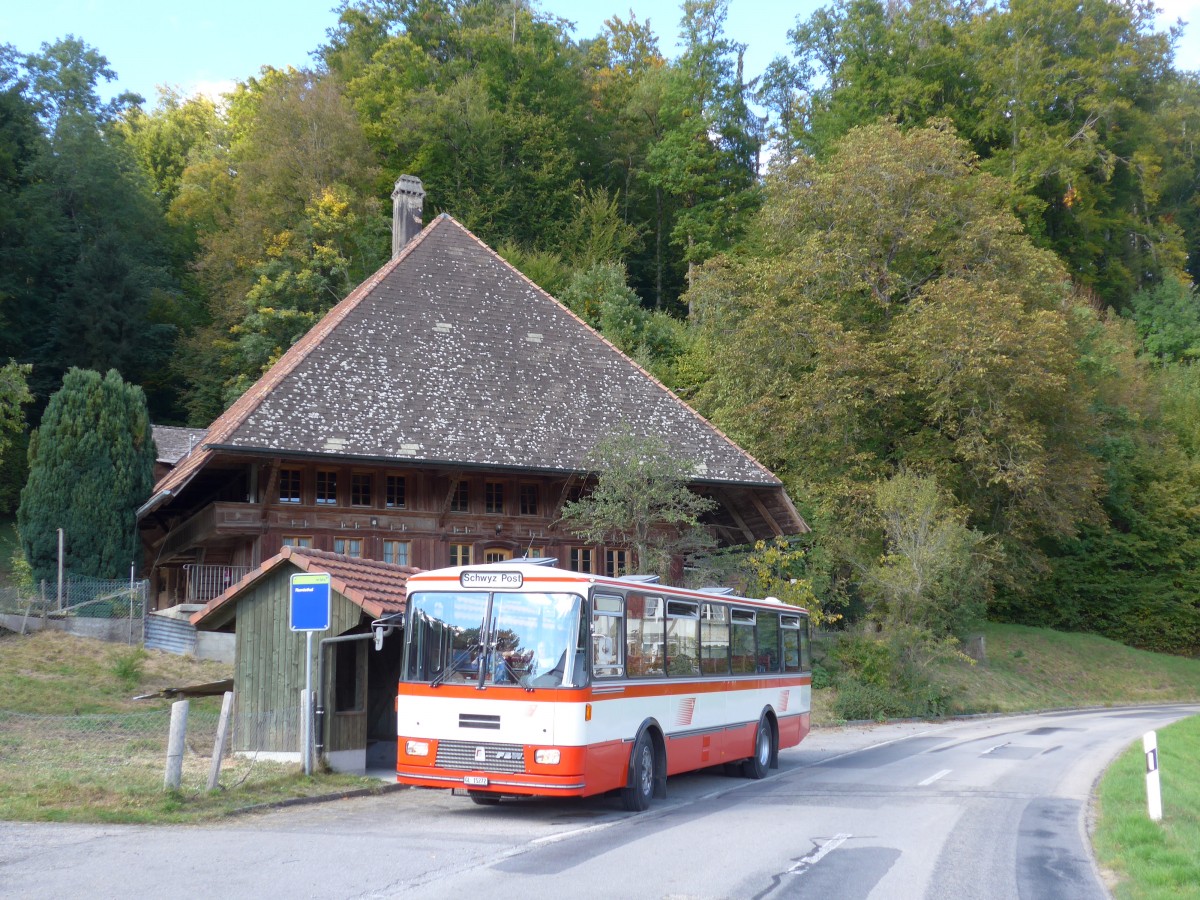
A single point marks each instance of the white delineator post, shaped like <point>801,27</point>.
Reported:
<point>1153,788</point>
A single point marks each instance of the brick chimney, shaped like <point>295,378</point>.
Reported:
<point>408,201</point>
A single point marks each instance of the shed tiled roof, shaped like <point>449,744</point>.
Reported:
<point>450,355</point>
<point>379,588</point>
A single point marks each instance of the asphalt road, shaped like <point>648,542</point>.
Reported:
<point>982,808</point>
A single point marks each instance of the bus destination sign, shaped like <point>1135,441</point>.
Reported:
<point>491,579</point>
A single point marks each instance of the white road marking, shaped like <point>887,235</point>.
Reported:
<point>817,855</point>
<point>992,749</point>
<point>869,747</point>
<point>932,778</point>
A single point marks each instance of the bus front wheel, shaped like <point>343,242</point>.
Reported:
<point>636,796</point>
<point>482,798</point>
<point>757,765</point>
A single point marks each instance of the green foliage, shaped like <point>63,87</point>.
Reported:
<point>881,677</point>
<point>935,572</point>
<point>641,501</point>
<point>86,281</point>
<point>286,224</point>
<point>779,569</point>
<point>1168,319</point>
<point>91,464</point>
<point>128,667</point>
<point>14,395</point>
<point>1069,103</point>
<point>909,324</point>
<point>176,133</point>
<point>308,269</point>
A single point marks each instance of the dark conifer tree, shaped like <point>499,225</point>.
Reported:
<point>91,465</point>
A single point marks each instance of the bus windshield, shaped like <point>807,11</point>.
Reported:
<point>525,640</point>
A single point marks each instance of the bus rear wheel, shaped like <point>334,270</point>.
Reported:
<point>636,796</point>
<point>764,739</point>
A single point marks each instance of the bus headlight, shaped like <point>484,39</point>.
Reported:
<point>416,748</point>
<point>547,757</point>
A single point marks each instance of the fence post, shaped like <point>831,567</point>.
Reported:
<point>174,774</point>
<point>60,569</point>
<point>219,746</point>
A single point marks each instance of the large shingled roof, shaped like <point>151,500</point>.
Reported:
<point>449,355</point>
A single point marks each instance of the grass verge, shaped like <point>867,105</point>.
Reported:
<point>76,747</point>
<point>1148,860</point>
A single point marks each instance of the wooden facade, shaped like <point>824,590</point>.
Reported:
<point>358,686</point>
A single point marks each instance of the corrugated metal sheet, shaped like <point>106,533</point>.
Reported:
<point>169,633</point>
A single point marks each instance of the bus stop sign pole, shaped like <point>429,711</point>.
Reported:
<point>308,611</point>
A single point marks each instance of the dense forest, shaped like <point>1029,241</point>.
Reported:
<point>934,267</point>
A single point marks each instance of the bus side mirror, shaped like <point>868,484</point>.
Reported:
<point>380,631</point>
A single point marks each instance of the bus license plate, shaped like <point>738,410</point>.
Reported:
<point>476,780</point>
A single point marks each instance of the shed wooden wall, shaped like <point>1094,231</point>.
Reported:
<point>269,669</point>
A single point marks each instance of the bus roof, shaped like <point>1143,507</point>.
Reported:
<point>515,574</point>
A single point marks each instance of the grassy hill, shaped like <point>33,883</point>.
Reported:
<point>1035,668</point>
<point>1027,669</point>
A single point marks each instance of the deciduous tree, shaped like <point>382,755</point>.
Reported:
<point>641,501</point>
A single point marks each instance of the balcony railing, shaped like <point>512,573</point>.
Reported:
<point>205,582</point>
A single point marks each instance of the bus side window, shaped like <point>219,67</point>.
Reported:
<point>644,635</point>
<point>683,646</point>
<point>607,647</point>
<point>791,643</point>
<point>742,641</point>
<point>714,639</point>
<point>768,642</point>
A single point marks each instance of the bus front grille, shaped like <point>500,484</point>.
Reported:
<point>481,756</point>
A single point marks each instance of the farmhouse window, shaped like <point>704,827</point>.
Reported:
<point>460,498</point>
<point>493,497</point>
<point>616,563</point>
<point>395,492</point>
<point>529,500</point>
<point>581,559</point>
<point>396,552</point>
<point>348,546</point>
<point>362,489</point>
<point>289,485</point>
<point>327,487</point>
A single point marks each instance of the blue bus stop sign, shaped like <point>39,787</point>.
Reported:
<point>310,605</point>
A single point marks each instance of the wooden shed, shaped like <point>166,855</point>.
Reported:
<point>355,683</point>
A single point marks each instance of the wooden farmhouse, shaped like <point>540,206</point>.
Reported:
<point>441,414</point>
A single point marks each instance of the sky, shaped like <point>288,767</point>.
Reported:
<point>208,45</point>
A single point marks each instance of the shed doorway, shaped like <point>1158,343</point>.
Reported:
<point>383,677</point>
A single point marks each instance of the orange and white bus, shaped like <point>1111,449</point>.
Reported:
<point>523,679</point>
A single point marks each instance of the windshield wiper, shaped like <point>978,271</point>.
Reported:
<point>448,669</point>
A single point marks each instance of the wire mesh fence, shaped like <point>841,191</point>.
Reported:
<point>128,751</point>
<point>82,596</point>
